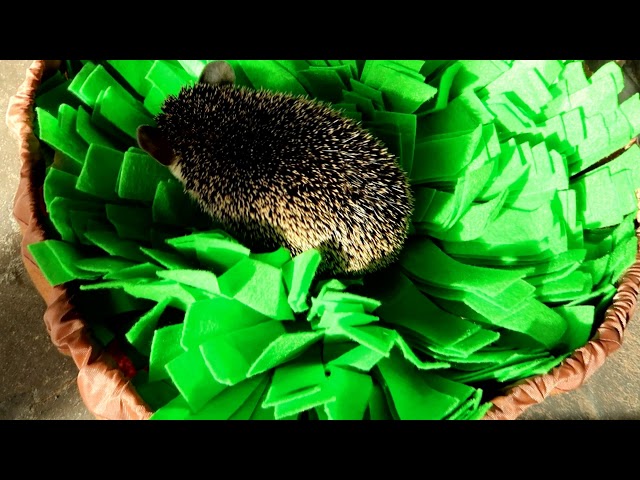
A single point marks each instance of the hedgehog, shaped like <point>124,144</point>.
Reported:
<point>276,169</point>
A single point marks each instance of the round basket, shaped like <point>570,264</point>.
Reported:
<point>104,388</point>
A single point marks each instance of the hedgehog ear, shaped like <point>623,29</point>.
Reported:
<point>151,140</point>
<point>218,73</point>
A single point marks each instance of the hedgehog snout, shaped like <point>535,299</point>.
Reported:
<point>151,140</point>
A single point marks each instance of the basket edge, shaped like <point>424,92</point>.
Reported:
<point>102,386</point>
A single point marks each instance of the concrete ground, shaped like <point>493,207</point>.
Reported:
<point>37,382</point>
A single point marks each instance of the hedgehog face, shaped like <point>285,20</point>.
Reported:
<point>283,170</point>
<point>155,143</point>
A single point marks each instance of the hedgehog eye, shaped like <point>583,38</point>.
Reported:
<point>152,141</point>
<point>218,73</point>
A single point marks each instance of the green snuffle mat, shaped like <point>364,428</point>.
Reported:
<point>519,235</point>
